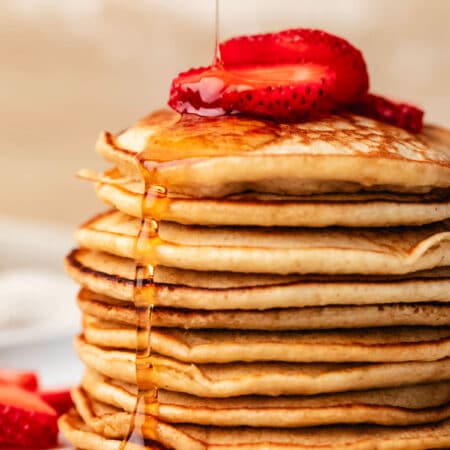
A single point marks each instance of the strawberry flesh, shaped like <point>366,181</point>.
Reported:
<point>293,75</point>
<point>25,419</point>
<point>299,46</point>
<point>281,92</point>
<point>59,400</point>
<point>401,115</point>
<point>26,380</point>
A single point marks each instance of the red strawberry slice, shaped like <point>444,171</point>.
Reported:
<point>282,92</point>
<point>26,380</point>
<point>299,46</point>
<point>25,419</point>
<point>59,400</point>
<point>400,114</point>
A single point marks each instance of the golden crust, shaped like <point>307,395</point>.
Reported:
<point>217,157</point>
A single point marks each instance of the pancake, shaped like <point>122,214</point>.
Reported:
<point>301,279</point>
<point>398,406</point>
<point>192,437</point>
<point>215,157</point>
<point>280,251</point>
<point>113,276</point>
<point>82,436</point>
<point>252,209</point>
<point>220,346</point>
<point>307,318</point>
<point>237,379</point>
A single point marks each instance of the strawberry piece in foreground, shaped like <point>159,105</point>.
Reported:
<point>25,419</point>
<point>280,92</point>
<point>26,380</point>
<point>399,114</point>
<point>59,400</point>
<point>299,46</point>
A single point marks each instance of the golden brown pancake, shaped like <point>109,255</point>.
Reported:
<point>268,316</point>
<point>398,406</point>
<point>237,379</point>
<point>215,157</point>
<point>113,276</point>
<point>194,437</point>
<point>306,318</point>
<point>84,438</point>
<point>252,209</point>
<point>280,251</point>
<point>220,346</point>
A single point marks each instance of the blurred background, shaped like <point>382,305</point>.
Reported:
<point>70,68</point>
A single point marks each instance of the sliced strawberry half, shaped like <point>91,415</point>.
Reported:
<point>59,400</point>
<point>402,115</point>
<point>299,46</point>
<point>26,380</point>
<point>282,92</point>
<point>295,74</point>
<point>25,419</point>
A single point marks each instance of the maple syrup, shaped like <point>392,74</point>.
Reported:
<point>217,58</point>
<point>192,136</point>
<point>144,421</point>
<point>143,426</point>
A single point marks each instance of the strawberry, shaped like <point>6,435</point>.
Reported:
<point>296,74</point>
<point>26,380</point>
<point>292,75</point>
<point>299,46</point>
<point>400,114</point>
<point>25,419</point>
<point>59,400</point>
<point>282,92</point>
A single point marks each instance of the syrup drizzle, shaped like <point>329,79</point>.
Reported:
<point>217,57</point>
<point>144,422</point>
<point>143,426</point>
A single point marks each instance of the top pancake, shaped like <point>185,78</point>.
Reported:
<point>198,156</point>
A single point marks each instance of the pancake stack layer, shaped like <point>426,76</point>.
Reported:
<point>298,286</point>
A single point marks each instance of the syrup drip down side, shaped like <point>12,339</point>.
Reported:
<point>143,425</point>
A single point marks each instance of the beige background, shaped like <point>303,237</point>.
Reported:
<point>70,68</point>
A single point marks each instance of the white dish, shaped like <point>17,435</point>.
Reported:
<point>37,305</point>
<point>37,298</point>
<point>38,313</point>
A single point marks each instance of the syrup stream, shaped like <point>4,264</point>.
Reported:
<point>217,57</point>
<point>143,426</point>
<point>144,422</point>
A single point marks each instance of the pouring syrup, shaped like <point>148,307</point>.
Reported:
<point>143,429</point>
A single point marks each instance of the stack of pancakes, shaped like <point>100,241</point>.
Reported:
<point>299,287</point>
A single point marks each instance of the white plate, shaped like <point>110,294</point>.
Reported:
<point>37,304</point>
<point>37,298</point>
<point>38,313</point>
